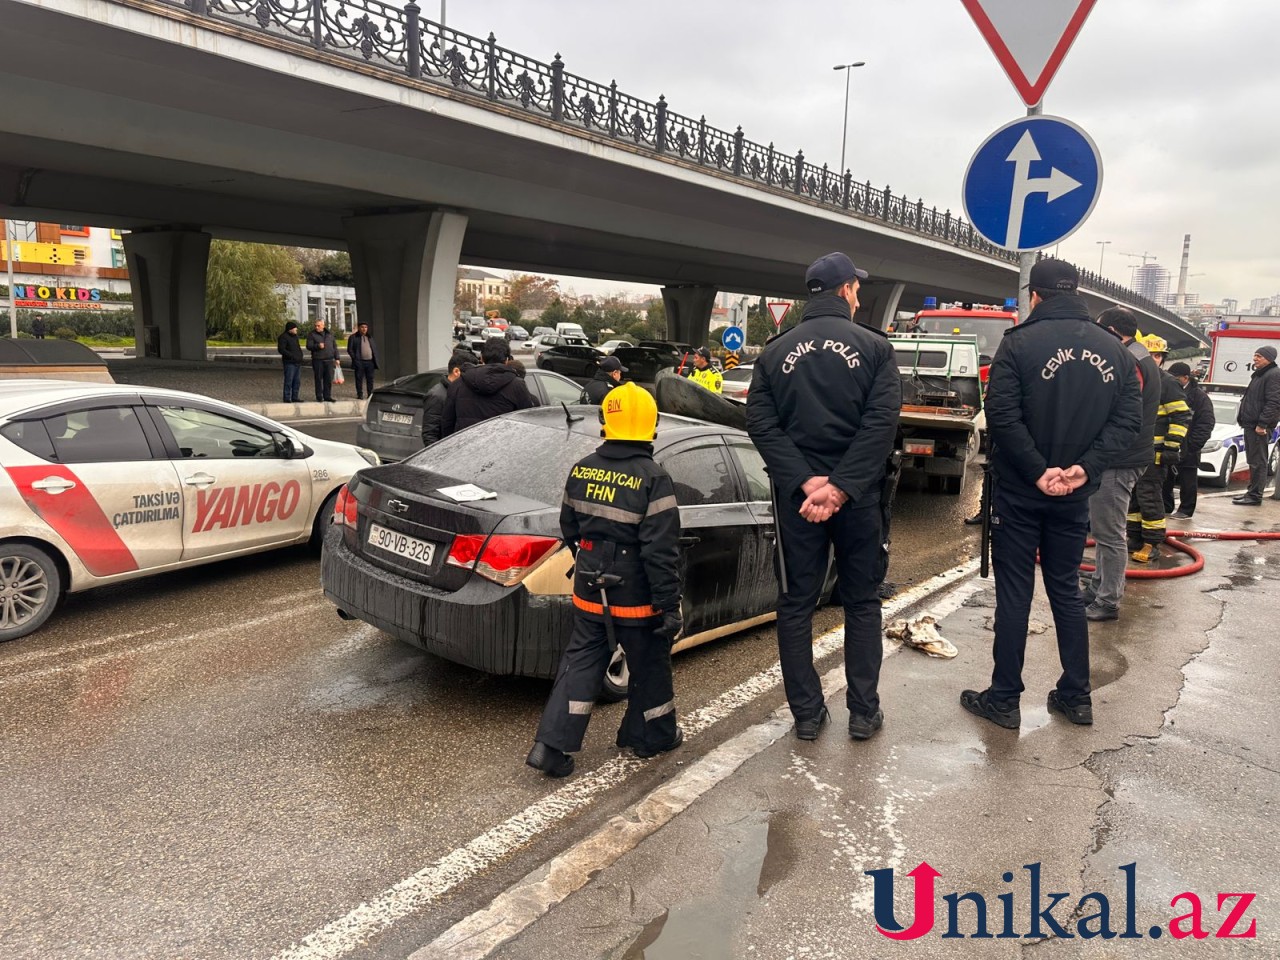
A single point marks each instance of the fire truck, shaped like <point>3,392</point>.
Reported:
<point>985,322</point>
<point>1234,342</point>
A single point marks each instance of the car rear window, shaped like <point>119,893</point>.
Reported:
<point>418,382</point>
<point>510,456</point>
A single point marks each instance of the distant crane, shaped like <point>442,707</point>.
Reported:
<point>1144,257</point>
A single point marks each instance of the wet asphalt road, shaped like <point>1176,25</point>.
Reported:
<point>211,764</point>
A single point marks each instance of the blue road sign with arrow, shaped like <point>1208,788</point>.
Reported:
<point>1032,183</point>
<point>733,338</point>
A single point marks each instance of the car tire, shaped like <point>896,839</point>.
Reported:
<point>1228,468</point>
<point>617,679</point>
<point>38,593</point>
<point>1273,462</point>
<point>321,523</point>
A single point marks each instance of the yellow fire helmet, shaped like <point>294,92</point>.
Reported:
<point>629,413</point>
<point>1154,344</point>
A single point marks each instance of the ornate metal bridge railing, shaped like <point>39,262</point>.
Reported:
<point>399,40</point>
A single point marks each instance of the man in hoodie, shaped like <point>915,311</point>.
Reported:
<point>290,351</point>
<point>488,390</point>
<point>1063,403</point>
<point>324,357</point>
<point>433,405</point>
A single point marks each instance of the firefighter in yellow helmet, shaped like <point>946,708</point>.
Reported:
<point>1146,520</point>
<point>704,374</point>
<point>620,519</point>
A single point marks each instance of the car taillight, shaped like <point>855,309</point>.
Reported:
<point>503,558</point>
<point>345,511</point>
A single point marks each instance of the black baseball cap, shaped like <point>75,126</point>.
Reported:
<point>612,364</point>
<point>827,273</point>
<point>1051,274</point>
<point>1180,369</point>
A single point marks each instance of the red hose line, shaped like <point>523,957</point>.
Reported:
<point>1197,558</point>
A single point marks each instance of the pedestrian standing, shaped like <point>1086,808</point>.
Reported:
<point>1113,501</point>
<point>290,351</point>
<point>1186,475</point>
<point>823,412</point>
<point>1258,414</point>
<point>363,351</point>
<point>1146,521</point>
<point>433,404</point>
<point>607,376</point>
<point>489,390</point>
<point>624,532</point>
<point>324,357</point>
<point>1063,403</point>
<point>704,374</point>
<point>38,327</point>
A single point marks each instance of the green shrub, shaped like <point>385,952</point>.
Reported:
<point>64,333</point>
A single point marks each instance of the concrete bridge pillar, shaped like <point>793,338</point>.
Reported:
<point>406,267</point>
<point>689,312</point>
<point>167,268</point>
<point>885,304</point>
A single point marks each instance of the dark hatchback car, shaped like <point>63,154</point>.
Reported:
<point>483,583</point>
<point>644,363</point>
<point>571,359</point>
<point>392,425</point>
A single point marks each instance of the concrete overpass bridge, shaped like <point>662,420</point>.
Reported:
<point>364,126</point>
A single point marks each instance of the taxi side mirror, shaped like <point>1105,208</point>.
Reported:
<point>286,446</point>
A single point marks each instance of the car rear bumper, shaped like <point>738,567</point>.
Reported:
<point>499,630</point>
<point>388,446</point>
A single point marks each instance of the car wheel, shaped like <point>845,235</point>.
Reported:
<point>30,587</point>
<point>1228,468</point>
<point>617,679</point>
<point>323,518</point>
<point>1274,463</point>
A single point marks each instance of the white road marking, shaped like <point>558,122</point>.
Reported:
<point>346,933</point>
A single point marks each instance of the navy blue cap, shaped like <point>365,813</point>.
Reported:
<point>827,273</point>
<point>612,364</point>
<point>1051,274</point>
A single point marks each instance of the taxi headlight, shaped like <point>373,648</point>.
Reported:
<point>373,458</point>
<point>1212,446</point>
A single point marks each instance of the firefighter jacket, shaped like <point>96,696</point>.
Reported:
<point>1173,417</point>
<point>825,400</point>
<point>1203,419</point>
<point>1062,392</point>
<point>709,378</point>
<point>620,517</point>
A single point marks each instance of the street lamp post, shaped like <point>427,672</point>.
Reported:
<point>844,135</point>
<point>8,258</point>
<point>1102,252</point>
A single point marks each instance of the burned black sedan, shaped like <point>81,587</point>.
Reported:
<point>485,582</point>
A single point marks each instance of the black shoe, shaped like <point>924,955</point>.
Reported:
<point>549,760</point>
<point>1081,713</point>
<point>974,521</point>
<point>808,729</point>
<point>1247,501</point>
<point>1004,714</point>
<point>1180,515</point>
<point>1097,612</point>
<point>644,753</point>
<point>864,728</point>
<point>1088,593</point>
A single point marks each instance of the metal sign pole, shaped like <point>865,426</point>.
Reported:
<point>1026,260</point>
<point>8,259</point>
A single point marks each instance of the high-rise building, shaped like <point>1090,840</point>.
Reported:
<point>1151,281</point>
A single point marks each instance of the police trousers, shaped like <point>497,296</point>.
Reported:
<point>650,720</point>
<point>854,532</point>
<point>1057,529</point>
<point>1146,508</point>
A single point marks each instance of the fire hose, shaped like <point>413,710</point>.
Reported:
<point>1197,558</point>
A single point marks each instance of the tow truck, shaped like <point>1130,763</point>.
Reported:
<point>941,404</point>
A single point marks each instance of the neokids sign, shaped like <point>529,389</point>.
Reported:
<point>58,298</point>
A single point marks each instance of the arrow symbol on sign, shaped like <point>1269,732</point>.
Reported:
<point>1055,185</point>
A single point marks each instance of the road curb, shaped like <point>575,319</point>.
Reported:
<point>307,411</point>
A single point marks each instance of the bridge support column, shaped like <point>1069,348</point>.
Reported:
<point>689,312</point>
<point>406,268</point>
<point>167,270</point>
<point>885,305</point>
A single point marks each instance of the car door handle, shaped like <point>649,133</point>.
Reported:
<point>54,485</point>
<point>689,541</point>
<point>199,480</point>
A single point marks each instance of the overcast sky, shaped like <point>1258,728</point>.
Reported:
<point>1181,97</point>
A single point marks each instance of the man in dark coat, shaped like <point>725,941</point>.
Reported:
<point>1259,412</point>
<point>324,357</point>
<point>608,376</point>
<point>38,327</point>
<point>1063,403</point>
<point>290,351</point>
<point>488,390</point>
<point>363,351</point>
<point>433,405</point>
<point>1186,475</point>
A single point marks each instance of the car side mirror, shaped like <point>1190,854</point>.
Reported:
<point>288,449</point>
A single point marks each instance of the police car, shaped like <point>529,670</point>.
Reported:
<point>101,483</point>
<point>1223,455</point>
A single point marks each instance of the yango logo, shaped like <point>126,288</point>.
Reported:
<point>239,506</point>
<point>1093,915</point>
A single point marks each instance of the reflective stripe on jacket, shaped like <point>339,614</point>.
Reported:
<point>709,378</point>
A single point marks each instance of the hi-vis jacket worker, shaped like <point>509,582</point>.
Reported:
<point>620,518</point>
<point>704,374</point>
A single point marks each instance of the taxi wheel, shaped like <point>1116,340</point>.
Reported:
<point>617,679</point>
<point>323,518</point>
<point>30,585</point>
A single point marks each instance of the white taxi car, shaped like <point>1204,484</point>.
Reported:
<point>101,483</point>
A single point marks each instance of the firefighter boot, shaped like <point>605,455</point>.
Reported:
<point>1148,553</point>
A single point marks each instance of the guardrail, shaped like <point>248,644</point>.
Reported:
<point>400,40</point>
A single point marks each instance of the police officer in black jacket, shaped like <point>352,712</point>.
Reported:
<point>1063,403</point>
<point>823,412</point>
<point>620,518</point>
<point>608,376</point>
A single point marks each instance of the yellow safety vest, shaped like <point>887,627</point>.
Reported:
<point>707,378</point>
